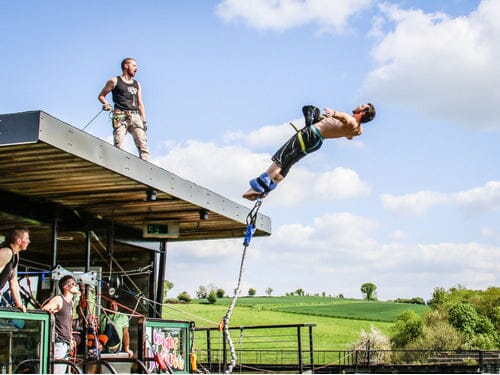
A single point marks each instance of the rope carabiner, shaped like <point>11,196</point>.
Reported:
<point>251,222</point>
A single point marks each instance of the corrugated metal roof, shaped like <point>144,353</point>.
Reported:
<point>47,162</point>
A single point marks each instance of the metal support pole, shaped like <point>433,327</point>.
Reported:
<point>481,361</point>
<point>54,239</point>
<point>299,342</point>
<point>87,246</point>
<point>368,354</point>
<point>160,279</point>
<point>152,283</point>
<point>224,350</point>
<point>209,351</point>
<point>311,348</point>
<point>110,239</point>
<point>53,285</point>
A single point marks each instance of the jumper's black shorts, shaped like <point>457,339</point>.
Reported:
<point>291,152</point>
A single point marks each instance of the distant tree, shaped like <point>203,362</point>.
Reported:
<point>299,292</point>
<point>201,292</point>
<point>220,293</point>
<point>212,297</point>
<point>211,287</point>
<point>407,328</point>
<point>437,334</point>
<point>269,291</point>
<point>184,296</point>
<point>414,300</point>
<point>465,318</point>
<point>439,297</point>
<point>368,289</point>
<point>460,319</point>
<point>167,285</point>
<point>341,295</point>
<point>252,292</point>
<point>418,301</point>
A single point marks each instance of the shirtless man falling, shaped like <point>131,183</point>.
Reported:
<point>332,124</point>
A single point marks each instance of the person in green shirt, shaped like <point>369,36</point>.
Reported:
<point>115,326</point>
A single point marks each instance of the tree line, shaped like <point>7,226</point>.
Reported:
<point>459,319</point>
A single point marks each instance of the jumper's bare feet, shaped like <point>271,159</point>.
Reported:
<point>252,195</point>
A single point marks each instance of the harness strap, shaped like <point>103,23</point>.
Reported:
<point>301,138</point>
<point>302,144</point>
<point>263,184</point>
<point>315,129</point>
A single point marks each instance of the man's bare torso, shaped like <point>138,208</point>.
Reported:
<point>333,128</point>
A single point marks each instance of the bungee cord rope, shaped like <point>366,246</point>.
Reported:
<point>251,220</point>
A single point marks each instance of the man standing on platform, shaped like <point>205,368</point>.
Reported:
<point>129,114</point>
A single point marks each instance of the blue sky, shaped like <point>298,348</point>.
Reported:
<point>410,205</point>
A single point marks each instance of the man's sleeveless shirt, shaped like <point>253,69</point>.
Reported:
<point>7,270</point>
<point>125,95</point>
<point>64,320</point>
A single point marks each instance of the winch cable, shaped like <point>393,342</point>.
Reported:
<point>251,220</point>
<point>93,118</point>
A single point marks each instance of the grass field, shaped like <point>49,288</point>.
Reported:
<point>373,311</point>
<point>338,321</point>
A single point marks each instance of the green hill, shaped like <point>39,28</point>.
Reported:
<point>338,321</point>
<point>359,310</point>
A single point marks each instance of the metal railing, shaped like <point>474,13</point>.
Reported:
<point>290,348</point>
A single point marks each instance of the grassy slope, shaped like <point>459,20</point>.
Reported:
<point>338,321</point>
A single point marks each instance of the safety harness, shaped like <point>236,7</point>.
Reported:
<point>301,138</point>
<point>119,117</point>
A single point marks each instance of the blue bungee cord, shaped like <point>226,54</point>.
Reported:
<point>250,231</point>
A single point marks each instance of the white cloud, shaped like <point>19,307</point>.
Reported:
<point>225,170</point>
<point>265,136</point>
<point>445,67</point>
<point>336,253</point>
<point>398,235</point>
<point>228,169</point>
<point>482,198</point>
<point>303,185</point>
<point>416,203</point>
<point>280,15</point>
<point>416,269</point>
<point>479,199</point>
<point>490,232</point>
<point>341,183</point>
<point>330,230</point>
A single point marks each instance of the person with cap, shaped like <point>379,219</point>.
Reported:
<point>114,325</point>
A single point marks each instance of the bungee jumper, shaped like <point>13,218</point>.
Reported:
<point>318,126</point>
